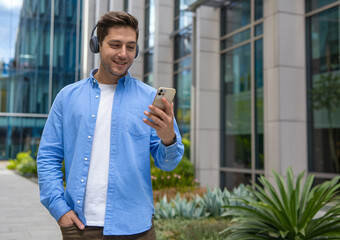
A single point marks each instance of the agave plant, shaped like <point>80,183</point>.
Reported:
<point>288,211</point>
<point>164,209</point>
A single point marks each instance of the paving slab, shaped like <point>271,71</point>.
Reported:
<point>22,216</point>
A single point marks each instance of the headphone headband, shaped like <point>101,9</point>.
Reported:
<point>94,44</point>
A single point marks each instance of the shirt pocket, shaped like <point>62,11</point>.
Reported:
<point>135,126</point>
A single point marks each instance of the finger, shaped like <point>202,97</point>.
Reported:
<point>77,221</point>
<point>168,107</point>
<point>156,119</point>
<point>151,124</point>
<point>158,112</point>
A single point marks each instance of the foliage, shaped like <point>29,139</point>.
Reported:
<point>24,164</point>
<point>210,205</point>
<point>181,177</point>
<point>287,211</point>
<point>184,229</point>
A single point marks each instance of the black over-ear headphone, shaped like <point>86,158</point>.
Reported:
<point>94,44</point>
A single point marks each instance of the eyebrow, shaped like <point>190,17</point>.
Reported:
<point>118,41</point>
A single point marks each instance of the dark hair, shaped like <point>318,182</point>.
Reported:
<point>115,19</point>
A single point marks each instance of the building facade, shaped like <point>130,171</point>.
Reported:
<point>257,81</point>
<point>39,54</point>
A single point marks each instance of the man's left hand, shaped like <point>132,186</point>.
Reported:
<point>162,121</point>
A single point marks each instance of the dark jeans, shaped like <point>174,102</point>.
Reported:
<point>96,233</point>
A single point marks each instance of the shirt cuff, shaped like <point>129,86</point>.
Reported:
<point>59,208</point>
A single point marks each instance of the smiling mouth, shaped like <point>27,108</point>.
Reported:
<point>119,63</point>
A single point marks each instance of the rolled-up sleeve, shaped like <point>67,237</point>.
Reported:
<point>167,157</point>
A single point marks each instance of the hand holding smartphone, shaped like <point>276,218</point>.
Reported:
<point>168,93</point>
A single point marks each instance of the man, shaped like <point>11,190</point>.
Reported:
<point>105,127</point>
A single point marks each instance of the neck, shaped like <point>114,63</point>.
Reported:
<point>105,77</point>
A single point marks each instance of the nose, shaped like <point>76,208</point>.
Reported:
<point>123,52</point>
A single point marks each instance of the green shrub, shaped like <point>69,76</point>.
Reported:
<point>12,165</point>
<point>287,211</point>
<point>180,178</point>
<point>24,164</point>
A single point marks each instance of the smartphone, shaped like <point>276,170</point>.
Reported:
<point>168,93</point>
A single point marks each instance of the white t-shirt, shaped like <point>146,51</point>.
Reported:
<point>96,188</point>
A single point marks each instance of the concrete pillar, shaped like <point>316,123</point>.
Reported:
<point>206,97</point>
<point>136,8</point>
<point>163,49</point>
<point>285,119</point>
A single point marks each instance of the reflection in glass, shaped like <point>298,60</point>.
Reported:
<point>183,83</point>
<point>258,29</point>
<point>236,39</point>
<point>149,40</point>
<point>150,23</point>
<point>237,97</point>
<point>23,134</point>
<point>25,64</point>
<point>258,9</point>
<point>231,180</point>
<point>182,65</point>
<point>234,16</point>
<point>183,44</point>
<point>315,4</point>
<point>259,148</point>
<point>324,91</point>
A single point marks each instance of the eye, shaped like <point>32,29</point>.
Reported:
<point>115,45</point>
<point>131,48</point>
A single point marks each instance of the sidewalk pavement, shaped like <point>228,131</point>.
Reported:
<point>22,216</point>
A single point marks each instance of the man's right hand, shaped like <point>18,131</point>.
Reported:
<point>70,218</point>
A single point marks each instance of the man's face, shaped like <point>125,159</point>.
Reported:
<point>118,50</point>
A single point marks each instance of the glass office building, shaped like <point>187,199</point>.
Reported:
<point>40,54</point>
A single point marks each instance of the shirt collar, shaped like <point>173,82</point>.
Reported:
<point>94,81</point>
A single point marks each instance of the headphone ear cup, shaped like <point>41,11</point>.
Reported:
<point>94,45</point>
<point>137,50</point>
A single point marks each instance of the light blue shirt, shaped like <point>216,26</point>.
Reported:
<point>68,135</point>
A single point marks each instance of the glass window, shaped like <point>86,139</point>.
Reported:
<point>182,65</point>
<point>236,72</point>
<point>149,40</point>
<point>25,65</point>
<point>183,100</point>
<point>150,14</point>
<point>234,16</point>
<point>24,61</point>
<point>19,134</point>
<point>242,92</point>
<point>258,9</point>
<point>236,39</point>
<point>323,82</point>
<point>259,151</point>
<point>183,44</point>
<point>258,29</point>
<point>315,4</point>
<point>231,180</point>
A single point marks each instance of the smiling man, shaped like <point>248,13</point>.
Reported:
<point>103,128</point>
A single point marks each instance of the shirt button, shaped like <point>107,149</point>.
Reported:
<point>82,180</point>
<point>78,202</point>
<point>85,159</point>
<point>89,137</point>
<point>93,116</point>
<point>97,96</point>
<point>167,160</point>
